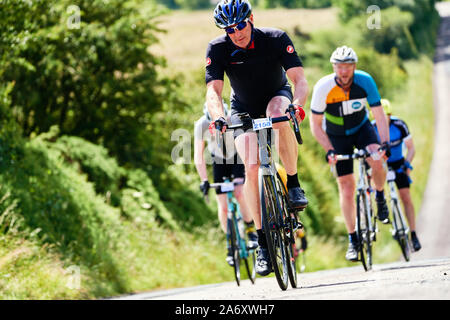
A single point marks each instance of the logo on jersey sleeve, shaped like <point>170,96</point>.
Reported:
<point>208,61</point>
<point>290,49</point>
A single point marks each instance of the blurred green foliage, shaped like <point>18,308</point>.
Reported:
<point>93,77</point>
<point>203,4</point>
<point>397,29</point>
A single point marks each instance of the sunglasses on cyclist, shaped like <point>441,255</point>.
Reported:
<point>240,26</point>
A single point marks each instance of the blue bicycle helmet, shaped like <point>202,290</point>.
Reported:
<point>230,12</point>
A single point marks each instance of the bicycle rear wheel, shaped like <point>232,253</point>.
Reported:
<point>363,231</point>
<point>233,244</point>
<point>401,231</point>
<point>289,232</point>
<point>250,262</point>
<point>272,227</point>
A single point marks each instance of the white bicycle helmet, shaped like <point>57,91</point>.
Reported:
<point>344,54</point>
<point>208,116</point>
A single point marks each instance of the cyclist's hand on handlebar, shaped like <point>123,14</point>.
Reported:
<point>221,124</point>
<point>406,167</point>
<point>385,149</point>
<point>204,187</point>
<point>331,157</point>
<point>300,113</point>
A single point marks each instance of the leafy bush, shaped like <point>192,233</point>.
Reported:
<point>394,32</point>
<point>422,29</point>
<point>96,79</point>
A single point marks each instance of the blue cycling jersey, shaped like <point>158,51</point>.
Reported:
<point>398,132</point>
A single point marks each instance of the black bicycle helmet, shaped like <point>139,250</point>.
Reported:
<point>230,12</point>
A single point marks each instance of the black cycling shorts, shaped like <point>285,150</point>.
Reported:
<point>233,170</point>
<point>345,145</point>
<point>401,178</point>
<point>255,111</point>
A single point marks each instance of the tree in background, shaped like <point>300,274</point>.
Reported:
<point>85,68</point>
<point>421,28</point>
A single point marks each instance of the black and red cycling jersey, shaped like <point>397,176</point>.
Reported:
<point>256,74</point>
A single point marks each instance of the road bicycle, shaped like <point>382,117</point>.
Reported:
<point>279,219</point>
<point>366,220</point>
<point>400,230</point>
<point>237,238</point>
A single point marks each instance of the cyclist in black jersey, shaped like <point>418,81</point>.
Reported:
<point>258,62</point>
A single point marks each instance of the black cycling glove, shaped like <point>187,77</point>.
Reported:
<point>330,152</point>
<point>204,187</point>
<point>220,123</point>
<point>385,146</point>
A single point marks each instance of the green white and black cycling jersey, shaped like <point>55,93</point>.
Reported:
<point>345,112</point>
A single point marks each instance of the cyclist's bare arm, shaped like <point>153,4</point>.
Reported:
<point>315,122</point>
<point>411,149</point>
<point>200,164</point>
<point>382,125</point>
<point>214,90</point>
<point>297,76</point>
<point>410,153</point>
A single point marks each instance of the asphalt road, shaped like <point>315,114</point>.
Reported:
<point>426,276</point>
<point>424,279</point>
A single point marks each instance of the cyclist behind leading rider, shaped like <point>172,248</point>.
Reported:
<point>228,165</point>
<point>256,61</point>
<point>400,136</point>
<point>339,121</point>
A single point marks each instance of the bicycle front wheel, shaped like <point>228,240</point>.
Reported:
<point>363,231</point>
<point>400,230</point>
<point>289,232</point>
<point>272,228</point>
<point>234,245</point>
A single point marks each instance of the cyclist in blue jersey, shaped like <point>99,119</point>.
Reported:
<point>258,62</point>
<point>400,136</point>
<point>339,104</point>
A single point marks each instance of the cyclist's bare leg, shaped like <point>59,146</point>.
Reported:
<point>247,148</point>
<point>347,186</point>
<point>239,194</point>
<point>378,170</point>
<point>405,195</point>
<point>286,142</point>
<point>222,210</point>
